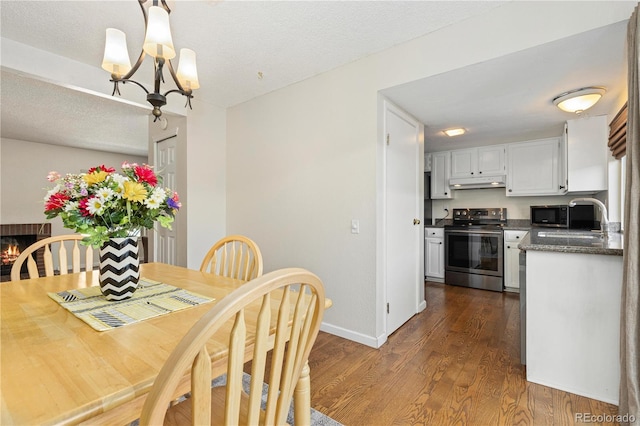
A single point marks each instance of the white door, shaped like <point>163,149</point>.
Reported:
<point>165,239</point>
<point>402,213</point>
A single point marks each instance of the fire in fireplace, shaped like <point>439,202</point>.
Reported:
<point>14,239</point>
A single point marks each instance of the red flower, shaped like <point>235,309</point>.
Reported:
<point>146,174</point>
<point>103,168</point>
<point>83,207</point>
<point>56,201</point>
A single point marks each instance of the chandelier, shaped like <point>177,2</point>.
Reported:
<point>158,44</point>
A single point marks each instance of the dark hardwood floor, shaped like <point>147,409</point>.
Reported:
<point>457,362</point>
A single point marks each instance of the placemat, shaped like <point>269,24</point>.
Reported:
<point>151,299</point>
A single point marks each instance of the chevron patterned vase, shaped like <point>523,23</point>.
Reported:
<point>119,268</point>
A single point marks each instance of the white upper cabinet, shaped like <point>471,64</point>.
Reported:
<point>533,168</point>
<point>440,174</point>
<point>587,152</point>
<point>475,162</point>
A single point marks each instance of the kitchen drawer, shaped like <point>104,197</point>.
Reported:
<point>514,236</point>
<point>433,232</point>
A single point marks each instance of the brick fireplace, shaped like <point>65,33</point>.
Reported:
<point>14,238</point>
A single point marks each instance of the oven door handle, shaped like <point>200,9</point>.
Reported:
<point>456,232</point>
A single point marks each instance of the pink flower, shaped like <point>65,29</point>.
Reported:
<point>145,174</point>
<point>53,176</point>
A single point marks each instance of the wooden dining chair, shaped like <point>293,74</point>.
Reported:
<point>55,255</point>
<point>282,309</point>
<point>234,256</point>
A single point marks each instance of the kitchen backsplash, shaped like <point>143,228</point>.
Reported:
<point>517,207</point>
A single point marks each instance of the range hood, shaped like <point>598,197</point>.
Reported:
<point>497,181</point>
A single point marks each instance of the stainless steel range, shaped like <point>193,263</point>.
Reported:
<point>474,255</point>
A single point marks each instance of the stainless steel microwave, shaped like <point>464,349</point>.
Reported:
<point>563,216</point>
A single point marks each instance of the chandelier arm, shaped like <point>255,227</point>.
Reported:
<point>134,82</point>
<point>142,54</point>
<point>182,92</point>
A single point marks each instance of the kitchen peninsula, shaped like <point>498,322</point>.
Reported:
<point>573,290</point>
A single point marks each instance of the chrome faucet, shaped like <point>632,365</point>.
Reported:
<point>604,222</point>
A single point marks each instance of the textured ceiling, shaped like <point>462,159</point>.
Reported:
<point>510,98</point>
<point>287,41</point>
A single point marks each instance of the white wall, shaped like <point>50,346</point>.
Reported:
<point>303,160</point>
<point>206,182</point>
<point>24,167</point>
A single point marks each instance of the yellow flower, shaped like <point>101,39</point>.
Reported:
<point>95,177</point>
<point>134,191</point>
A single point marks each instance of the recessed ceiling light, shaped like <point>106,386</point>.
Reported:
<point>455,132</point>
<point>578,100</point>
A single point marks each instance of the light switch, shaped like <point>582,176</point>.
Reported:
<point>355,226</point>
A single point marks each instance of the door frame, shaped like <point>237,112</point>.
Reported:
<point>385,105</point>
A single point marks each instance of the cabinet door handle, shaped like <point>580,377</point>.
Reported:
<point>561,187</point>
<point>480,172</point>
<point>440,242</point>
<point>508,246</point>
<point>446,193</point>
<point>510,190</point>
<point>471,172</point>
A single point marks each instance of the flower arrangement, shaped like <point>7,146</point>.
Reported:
<point>102,204</point>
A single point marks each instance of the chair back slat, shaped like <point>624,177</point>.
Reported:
<point>258,362</point>
<point>201,385</point>
<point>277,355</point>
<point>235,256</point>
<point>32,268</point>
<point>54,255</point>
<point>280,310</point>
<point>62,256</point>
<point>75,255</point>
<point>48,261</point>
<point>237,343</point>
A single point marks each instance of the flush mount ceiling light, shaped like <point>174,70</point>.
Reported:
<point>158,43</point>
<point>454,132</point>
<point>579,100</point>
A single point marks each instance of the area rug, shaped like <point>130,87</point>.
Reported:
<point>317,418</point>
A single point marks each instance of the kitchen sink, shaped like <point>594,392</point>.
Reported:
<point>583,235</point>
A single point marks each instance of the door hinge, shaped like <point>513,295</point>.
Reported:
<point>387,308</point>
<point>388,136</point>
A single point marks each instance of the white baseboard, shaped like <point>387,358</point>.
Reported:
<point>354,336</point>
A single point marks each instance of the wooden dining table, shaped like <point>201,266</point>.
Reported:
<point>56,369</point>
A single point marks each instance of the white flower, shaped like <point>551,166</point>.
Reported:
<point>95,205</point>
<point>120,180</point>
<point>52,191</point>
<point>105,193</point>
<point>156,198</point>
<point>71,206</point>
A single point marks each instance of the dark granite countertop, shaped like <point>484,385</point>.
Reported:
<point>571,241</point>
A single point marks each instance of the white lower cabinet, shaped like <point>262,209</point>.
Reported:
<point>512,259</point>
<point>434,254</point>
